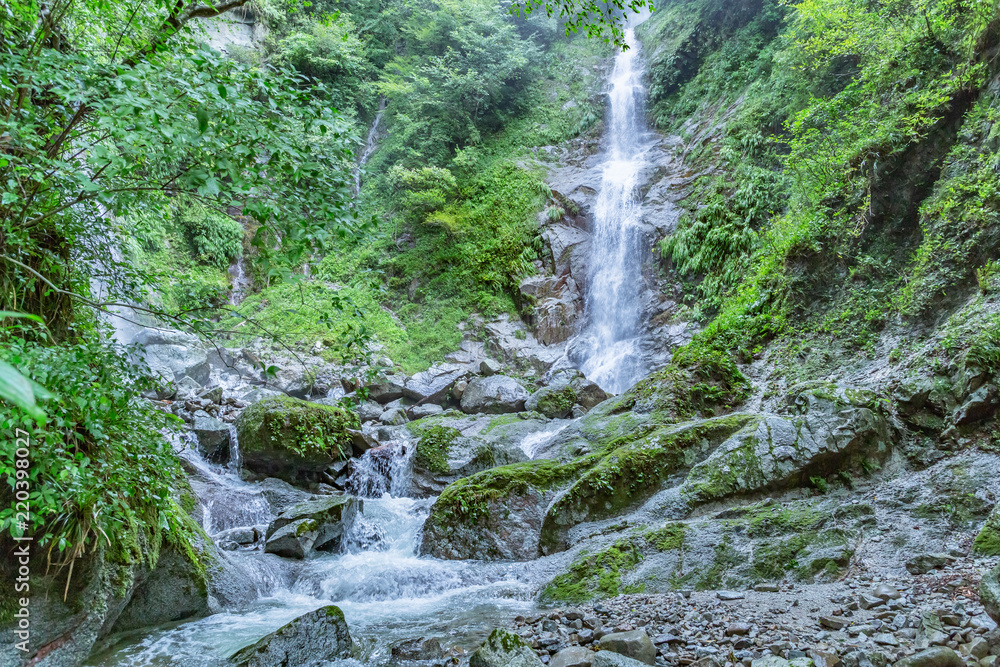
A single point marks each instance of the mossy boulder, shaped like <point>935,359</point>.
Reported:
<point>837,430</point>
<point>293,440</point>
<point>319,636</point>
<point>556,400</point>
<point>987,542</point>
<point>989,593</point>
<point>497,514</point>
<point>314,525</point>
<point>633,472</point>
<point>504,649</point>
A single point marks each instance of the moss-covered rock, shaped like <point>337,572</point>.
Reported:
<point>632,472</point>
<point>314,525</point>
<point>293,440</point>
<point>504,649</point>
<point>596,575</point>
<point>319,636</point>
<point>989,593</point>
<point>837,431</point>
<point>497,514</point>
<point>987,542</point>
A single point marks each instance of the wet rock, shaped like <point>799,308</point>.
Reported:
<point>369,411</point>
<point>424,410</point>
<point>317,636</point>
<point>459,390</point>
<point>418,649</point>
<point>982,404</point>
<point>394,417</point>
<point>574,656</point>
<point>213,437</point>
<point>280,494</point>
<point>314,525</point>
<point>504,649</point>
<point>886,592</point>
<point>563,393</point>
<point>433,385</point>
<point>292,439</point>
<point>933,657</point>
<point>494,395</point>
<point>737,629</point>
<point>361,442</point>
<point>635,644</point>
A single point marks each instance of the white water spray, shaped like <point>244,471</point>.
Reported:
<point>608,350</point>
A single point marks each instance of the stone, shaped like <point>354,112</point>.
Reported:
<point>310,526</point>
<point>933,657</point>
<point>885,639</point>
<point>418,649</point>
<point>612,659</point>
<point>424,410</point>
<point>497,394</point>
<point>989,593</point>
<point>982,404</point>
<point>292,439</point>
<point>978,648</point>
<point>823,658</point>
<point>634,644</point>
<point>834,622</point>
<point>174,355</point>
<point>433,384</point>
<point>504,649</point>
<point>388,390</point>
<point>488,367</point>
<point>767,588</point>
<point>369,411</point>
<point>574,656</point>
<point>394,417</point>
<point>213,394</point>
<point>459,390</point>
<point>770,661</point>
<point>361,441</point>
<point>737,629</point>
<point>729,596</point>
<point>213,437</point>
<point>886,592</point>
<point>870,601</point>
<point>320,635</point>
<point>924,563</point>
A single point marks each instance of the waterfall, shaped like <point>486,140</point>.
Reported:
<point>608,349</point>
<point>370,143</point>
<point>240,281</point>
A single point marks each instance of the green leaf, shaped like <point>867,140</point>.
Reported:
<point>8,198</point>
<point>16,388</point>
<point>10,313</point>
<point>202,116</point>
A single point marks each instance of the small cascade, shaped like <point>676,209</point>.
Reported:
<point>235,458</point>
<point>371,142</point>
<point>240,280</point>
<point>382,471</point>
<point>534,442</point>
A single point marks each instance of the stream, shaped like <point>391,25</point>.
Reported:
<point>386,589</point>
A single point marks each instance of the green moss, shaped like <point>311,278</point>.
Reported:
<point>333,611</point>
<point>987,542</point>
<point>557,402</point>
<point>669,538</point>
<point>772,520</point>
<point>298,427</point>
<point>772,559</point>
<point>595,575</point>
<point>434,446</point>
<point>725,558</point>
<point>306,526</point>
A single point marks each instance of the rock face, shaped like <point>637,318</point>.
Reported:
<point>318,636</point>
<point>434,384</point>
<point>174,355</point>
<point>835,429</point>
<point>213,437</point>
<point>293,440</point>
<point>311,526</point>
<point>504,649</point>
<point>496,394</point>
<point>558,304</point>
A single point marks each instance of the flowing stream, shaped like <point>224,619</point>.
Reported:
<point>608,350</point>
<point>386,589</point>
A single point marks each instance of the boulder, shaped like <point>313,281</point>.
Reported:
<point>173,355</point>
<point>987,542</point>
<point>394,417</point>
<point>361,441</point>
<point>388,390</point>
<point>433,384</point>
<point>213,437</point>
<point>292,439</point>
<point>369,411</point>
<point>310,526</point>
<point>982,404</point>
<point>504,649</point>
<point>496,394</point>
<point>634,644</point>
<point>835,429</point>
<point>424,410</point>
<point>567,390</point>
<point>318,636</point>
<point>938,656</point>
<point>574,656</point>
<point>924,563</point>
<point>418,649</point>
<point>989,593</point>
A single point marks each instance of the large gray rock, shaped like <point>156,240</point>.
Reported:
<point>573,656</point>
<point>494,395</point>
<point>433,384</point>
<point>834,429</point>
<point>568,389</point>
<point>312,638</point>
<point>213,437</point>
<point>634,644</point>
<point>989,593</point>
<point>504,649</point>
<point>173,355</point>
<point>939,656</point>
<point>314,525</point>
<point>388,390</point>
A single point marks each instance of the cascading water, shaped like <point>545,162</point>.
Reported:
<point>370,143</point>
<point>608,349</point>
